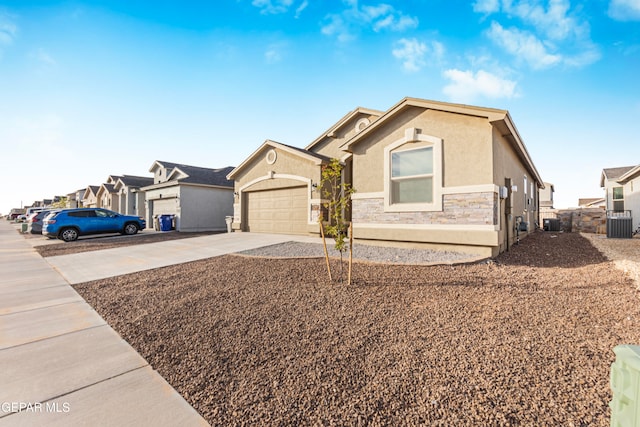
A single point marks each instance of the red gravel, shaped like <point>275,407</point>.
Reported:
<point>526,340</point>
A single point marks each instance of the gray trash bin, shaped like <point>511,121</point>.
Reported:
<point>229,221</point>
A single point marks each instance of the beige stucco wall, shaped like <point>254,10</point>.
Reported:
<point>289,170</point>
<point>286,163</point>
<point>466,148</point>
<point>507,164</point>
<point>330,146</point>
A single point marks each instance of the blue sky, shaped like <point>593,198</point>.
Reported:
<point>91,89</point>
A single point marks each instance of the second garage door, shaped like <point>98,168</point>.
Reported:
<point>278,211</point>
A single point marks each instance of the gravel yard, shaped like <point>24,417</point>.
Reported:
<point>524,340</point>
<point>625,253</point>
<point>361,252</point>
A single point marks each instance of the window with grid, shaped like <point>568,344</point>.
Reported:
<point>412,176</point>
<point>618,199</point>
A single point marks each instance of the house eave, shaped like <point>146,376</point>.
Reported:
<point>633,173</point>
<point>498,118</point>
<point>331,132</point>
<point>317,161</point>
<point>174,183</point>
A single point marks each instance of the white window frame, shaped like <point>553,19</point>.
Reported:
<point>614,200</point>
<point>413,140</point>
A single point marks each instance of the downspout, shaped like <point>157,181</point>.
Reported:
<point>507,211</point>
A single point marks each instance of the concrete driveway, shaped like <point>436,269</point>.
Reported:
<point>61,364</point>
<point>87,266</point>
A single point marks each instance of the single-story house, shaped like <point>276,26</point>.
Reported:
<point>131,199</point>
<point>622,190</point>
<point>199,198</point>
<point>108,197</point>
<point>592,202</point>
<point>426,173</point>
<point>90,197</point>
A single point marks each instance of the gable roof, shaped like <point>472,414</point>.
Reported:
<point>317,159</point>
<point>615,173</point>
<point>134,181</point>
<point>162,164</point>
<point>92,189</point>
<point>498,118</point>
<point>192,174</point>
<point>329,133</point>
<point>588,202</point>
<point>630,174</point>
<point>110,188</point>
<point>199,175</point>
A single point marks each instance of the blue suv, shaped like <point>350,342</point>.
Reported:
<point>68,224</point>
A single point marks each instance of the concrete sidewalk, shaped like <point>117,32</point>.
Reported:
<point>87,266</point>
<point>61,364</point>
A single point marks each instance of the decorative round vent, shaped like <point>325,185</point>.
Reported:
<point>361,124</point>
<point>271,156</point>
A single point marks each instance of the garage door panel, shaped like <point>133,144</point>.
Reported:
<point>278,211</point>
<point>164,206</point>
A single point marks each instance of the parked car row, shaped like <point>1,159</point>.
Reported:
<point>69,224</point>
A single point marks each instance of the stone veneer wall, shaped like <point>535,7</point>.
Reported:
<point>467,209</point>
<point>592,220</point>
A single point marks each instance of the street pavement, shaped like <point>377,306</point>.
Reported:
<point>60,362</point>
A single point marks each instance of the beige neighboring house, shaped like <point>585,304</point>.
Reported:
<point>592,202</point>
<point>427,173</point>
<point>199,198</point>
<point>622,191</point>
<point>108,197</point>
<point>546,196</point>
<point>131,199</point>
<point>90,197</point>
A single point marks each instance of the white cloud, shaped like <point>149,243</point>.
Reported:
<point>381,17</point>
<point>546,34</point>
<point>554,20</point>
<point>486,6</point>
<point>625,10</point>
<point>42,56</point>
<point>412,53</point>
<point>523,45</point>
<point>300,8</point>
<point>8,29</point>
<point>273,54</point>
<point>272,7</point>
<point>466,86</point>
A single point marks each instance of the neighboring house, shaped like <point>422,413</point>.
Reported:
<point>112,179</point>
<point>622,190</point>
<point>593,202</point>
<point>108,197</point>
<point>199,198</point>
<point>546,203</point>
<point>428,173</point>
<point>131,198</point>
<point>546,195</point>
<point>72,200</point>
<point>90,197</point>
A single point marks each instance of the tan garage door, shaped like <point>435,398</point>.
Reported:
<point>278,211</point>
<point>165,206</point>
